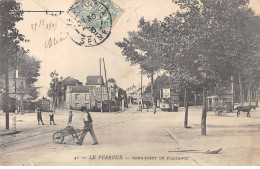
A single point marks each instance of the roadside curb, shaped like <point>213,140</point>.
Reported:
<point>6,133</point>
<point>179,146</point>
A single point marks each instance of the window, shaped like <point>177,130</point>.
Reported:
<point>87,105</point>
<point>22,86</point>
<point>77,106</point>
<point>76,96</point>
<point>86,97</point>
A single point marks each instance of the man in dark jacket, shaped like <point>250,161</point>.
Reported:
<point>88,127</point>
<point>39,116</point>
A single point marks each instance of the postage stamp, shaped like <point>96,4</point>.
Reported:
<point>90,21</point>
<point>114,10</point>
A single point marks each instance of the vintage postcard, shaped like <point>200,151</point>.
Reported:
<point>129,82</point>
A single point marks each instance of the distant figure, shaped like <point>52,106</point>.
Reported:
<point>70,117</point>
<point>39,116</point>
<point>88,127</point>
<point>51,114</point>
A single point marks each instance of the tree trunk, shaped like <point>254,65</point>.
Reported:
<point>243,97</point>
<point>233,92</point>
<point>152,90</point>
<point>22,107</point>
<point>186,104</point>
<point>6,96</point>
<point>195,99</point>
<point>241,102</point>
<point>256,99</point>
<point>204,112</point>
<point>249,96</point>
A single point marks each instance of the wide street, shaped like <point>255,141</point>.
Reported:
<point>135,138</point>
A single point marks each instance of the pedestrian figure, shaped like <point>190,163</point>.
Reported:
<point>52,117</point>
<point>70,117</point>
<point>88,127</point>
<point>39,116</point>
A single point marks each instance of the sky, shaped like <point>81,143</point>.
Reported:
<point>70,59</point>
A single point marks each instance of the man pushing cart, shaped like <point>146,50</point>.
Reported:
<point>77,134</point>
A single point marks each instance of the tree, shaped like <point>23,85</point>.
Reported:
<point>230,45</point>
<point>29,68</point>
<point>181,32</point>
<point>32,90</point>
<point>111,80</point>
<point>237,34</point>
<point>210,42</point>
<point>55,87</point>
<point>141,49</point>
<point>10,38</point>
<point>160,82</point>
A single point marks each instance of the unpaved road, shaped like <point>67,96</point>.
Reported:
<point>134,138</point>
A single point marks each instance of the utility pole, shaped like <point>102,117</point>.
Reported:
<point>138,99</point>
<point>109,105</point>
<point>170,80</point>
<point>101,105</point>
<point>6,96</point>
<point>141,91</point>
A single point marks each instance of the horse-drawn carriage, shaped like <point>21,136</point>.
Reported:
<point>220,104</point>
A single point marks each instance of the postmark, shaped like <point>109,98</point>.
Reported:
<point>90,23</point>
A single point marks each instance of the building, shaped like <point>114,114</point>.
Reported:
<point>19,98</point>
<point>68,82</point>
<point>17,84</point>
<point>132,94</point>
<point>89,95</point>
<point>77,97</point>
<point>94,81</point>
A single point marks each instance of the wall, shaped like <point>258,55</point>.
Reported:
<point>77,103</point>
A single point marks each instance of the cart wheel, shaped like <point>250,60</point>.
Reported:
<point>58,137</point>
<point>76,135</point>
<point>220,110</point>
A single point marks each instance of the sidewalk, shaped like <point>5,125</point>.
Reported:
<point>237,136</point>
<point>12,129</point>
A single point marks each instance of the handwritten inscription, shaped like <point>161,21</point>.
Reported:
<point>54,41</point>
<point>47,25</point>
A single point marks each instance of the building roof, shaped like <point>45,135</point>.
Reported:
<point>79,89</point>
<point>70,80</point>
<point>94,80</point>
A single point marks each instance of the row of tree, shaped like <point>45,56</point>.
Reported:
<point>204,43</point>
<point>12,55</point>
